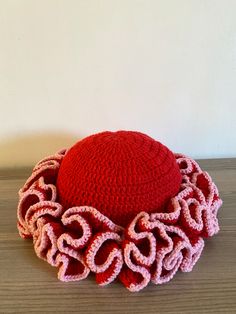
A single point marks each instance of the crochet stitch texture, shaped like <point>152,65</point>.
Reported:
<point>119,173</point>
<point>121,205</point>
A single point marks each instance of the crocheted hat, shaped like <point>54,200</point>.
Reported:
<point>120,205</point>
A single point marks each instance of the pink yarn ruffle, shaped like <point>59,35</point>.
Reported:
<point>81,239</point>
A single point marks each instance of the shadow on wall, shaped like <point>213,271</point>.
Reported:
<point>26,150</point>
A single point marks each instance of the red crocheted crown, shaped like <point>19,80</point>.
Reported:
<point>120,205</point>
<point>119,173</point>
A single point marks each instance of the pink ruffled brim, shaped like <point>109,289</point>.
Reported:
<point>153,247</point>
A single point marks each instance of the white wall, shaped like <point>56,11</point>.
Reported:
<point>72,68</point>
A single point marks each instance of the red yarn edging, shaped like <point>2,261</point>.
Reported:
<point>153,247</point>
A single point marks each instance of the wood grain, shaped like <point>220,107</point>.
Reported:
<point>30,285</point>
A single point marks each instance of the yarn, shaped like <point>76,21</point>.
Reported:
<point>149,246</point>
<point>118,173</point>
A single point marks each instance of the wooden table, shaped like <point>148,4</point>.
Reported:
<point>30,285</point>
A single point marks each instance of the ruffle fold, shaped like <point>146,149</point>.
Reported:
<point>153,247</point>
